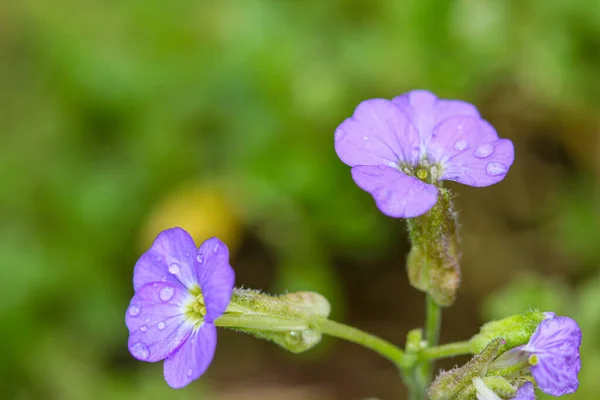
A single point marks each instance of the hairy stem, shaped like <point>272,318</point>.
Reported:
<point>446,350</point>
<point>378,345</point>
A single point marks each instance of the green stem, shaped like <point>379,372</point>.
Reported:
<point>432,334</point>
<point>432,331</point>
<point>446,350</point>
<point>378,345</point>
<point>434,322</point>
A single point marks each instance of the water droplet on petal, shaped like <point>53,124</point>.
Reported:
<point>134,310</point>
<point>189,372</point>
<point>199,258</point>
<point>155,285</point>
<point>140,351</point>
<point>495,169</point>
<point>216,247</point>
<point>484,151</point>
<point>143,328</point>
<point>365,138</point>
<point>161,326</point>
<point>460,145</point>
<point>174,268</point>
<point>163,279</point>
<point>166,293</point>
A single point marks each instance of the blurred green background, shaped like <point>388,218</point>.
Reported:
<point>123,118</point>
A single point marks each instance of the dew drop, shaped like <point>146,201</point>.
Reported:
<point>166,293</point>
<point>199,258</point>
<point>143,328</point>
<point>161,326</point>
<point>155,285</point>
<point>460,145</point>
<point>163,279</point>
<point>134,311</point>
<point>189,372</point>
<point>495,169</point>
<point>365,138</point>
<point>216,247</point>
<point>140,351</point>
<point>174,268</point>
<point>484,151</point>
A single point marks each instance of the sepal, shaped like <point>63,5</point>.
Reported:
<point>516,330</point>
<point>434,260</point>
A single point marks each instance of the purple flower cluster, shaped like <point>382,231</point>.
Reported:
<point>179,292</point>
<point>400,149</point>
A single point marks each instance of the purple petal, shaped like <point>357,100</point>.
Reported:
<point>395,193</point>
<point>216,277</point>
<point>426,111</point>
<point>470,152</point>
<point>556,344</point>
<point>171,258</point>
<point>192,359</point>
<point>378,133</point>
<point>156,321</point>
<point>525,392</point>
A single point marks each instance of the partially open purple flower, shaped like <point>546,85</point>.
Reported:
<point>525,392</point>
<point>179,292</point>
<point>554,355</point>
<point>400,149</point>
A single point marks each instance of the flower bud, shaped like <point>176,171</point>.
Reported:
<point>516,330</point>
<point>285,320</point>
<point>433,261</point>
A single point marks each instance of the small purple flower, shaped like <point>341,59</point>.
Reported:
<point>400,149</point>
<point>525,392</point>
<point>553,351</point>
<point>179,292</point>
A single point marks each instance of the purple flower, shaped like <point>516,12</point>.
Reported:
<point>553,351</point>
<point>179,292</point>
<point>525,392</point>
<point>400,149</point>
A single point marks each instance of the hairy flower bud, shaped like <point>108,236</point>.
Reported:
<point>433,261</point>
<point>285,320</point>
<point>516,330</point>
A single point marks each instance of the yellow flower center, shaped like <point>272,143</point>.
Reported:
<point>196,309</point>
<point>533,359</point>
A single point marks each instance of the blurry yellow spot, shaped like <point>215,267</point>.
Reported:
<point>533,359</point>
<point>200,209</point>
<point>422,174</point>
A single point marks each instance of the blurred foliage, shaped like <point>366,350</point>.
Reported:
<point>120,118</point>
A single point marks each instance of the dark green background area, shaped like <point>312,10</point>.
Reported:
<point>122,118</point>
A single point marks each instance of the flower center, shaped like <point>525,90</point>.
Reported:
<point>533,359</point>
<point>425,172</point>
<point>422,174</point>
<point>196,309</point>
